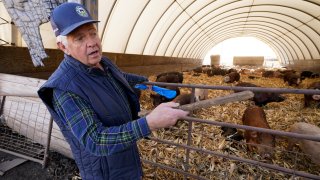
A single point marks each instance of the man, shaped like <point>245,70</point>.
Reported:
<point>93,103</point>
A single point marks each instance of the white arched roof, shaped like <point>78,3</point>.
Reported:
<point>189,29</point>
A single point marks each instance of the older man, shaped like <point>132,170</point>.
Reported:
<point>93,103</point>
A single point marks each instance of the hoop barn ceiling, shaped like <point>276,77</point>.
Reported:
<point>190,28</point>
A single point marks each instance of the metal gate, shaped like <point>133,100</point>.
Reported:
<point>189,156</point>
<point>24,128</point>
<point>175,157</point>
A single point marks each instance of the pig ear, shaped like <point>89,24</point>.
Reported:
<point>316,97</point>
<point>254,134</point>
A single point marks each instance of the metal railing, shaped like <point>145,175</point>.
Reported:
<point>191,120</point>
<point>17,109</point>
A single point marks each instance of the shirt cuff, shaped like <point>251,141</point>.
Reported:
<point>143,126</point>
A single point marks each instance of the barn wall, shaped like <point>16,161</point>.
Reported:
<point>248,60</point>
<point>150,65</point>
<point>17,60</point>
<point>301,65</point>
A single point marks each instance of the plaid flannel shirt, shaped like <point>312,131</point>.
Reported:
<point>81,119</point>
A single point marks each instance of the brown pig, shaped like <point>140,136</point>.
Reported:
<point>170,77</point>
<point>231,77</point>
<point>292,78</point>
<point>263,143</point>
<point>158,99</point>
<point>201,94</point>
<point>183,99</point>
<point>312,98</point>
<point>262,98</point>
<point>311,148</point>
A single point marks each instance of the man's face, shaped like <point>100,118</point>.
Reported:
<point>84,45</point>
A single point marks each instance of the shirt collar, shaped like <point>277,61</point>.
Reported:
<point>85,68</point>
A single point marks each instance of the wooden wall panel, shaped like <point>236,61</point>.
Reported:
<point>16,60</point>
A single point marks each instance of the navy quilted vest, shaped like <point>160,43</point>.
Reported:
<point>73,76</point>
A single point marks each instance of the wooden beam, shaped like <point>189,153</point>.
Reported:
<point>240,96</point>
<point>13,85</point>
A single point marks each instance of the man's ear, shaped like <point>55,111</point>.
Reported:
<point>63,48</point>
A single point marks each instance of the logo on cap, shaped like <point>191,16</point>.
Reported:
<point>81,11</point>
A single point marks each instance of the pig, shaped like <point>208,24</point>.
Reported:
<point>287,71</point>
<point>277,74</point>
<point>231,133</point>
<point>245,72</point>
<point>210,73</point>
<point>158,99</point>
<point>268,74</point>
<point>262,98</point>
<point>205,68</point>
<point>253,77</point>
<point>271,74</point>
<point>170,77</point>
<point>292,78</point>
<point>216,71</point>
<point>201,94</point>
<point>231,70</point>
<point>183,99</point>
<point>259,71</point>
<point>306,74</point>
<point>311,148</point>
<point>231,77</point>
<point>315,75</point>
<point>263,143</point>
<point>310,98</point>
<point>197,70</point>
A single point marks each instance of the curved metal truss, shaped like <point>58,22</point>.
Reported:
<point>185,28</point>
<point>189,29</point>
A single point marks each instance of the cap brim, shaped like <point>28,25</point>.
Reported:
<point>74,26</point>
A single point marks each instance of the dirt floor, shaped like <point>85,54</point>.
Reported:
<point>58,168</point>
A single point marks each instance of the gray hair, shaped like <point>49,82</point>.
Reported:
<point>62,39</point>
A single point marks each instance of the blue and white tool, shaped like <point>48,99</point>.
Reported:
<point>168,93</point>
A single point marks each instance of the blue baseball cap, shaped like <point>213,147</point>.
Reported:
<point>68,16</point>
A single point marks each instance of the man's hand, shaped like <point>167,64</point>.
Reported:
<point>165,115</point>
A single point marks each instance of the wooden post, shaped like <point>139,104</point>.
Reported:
<point>16,38</point>
<point>244,95</point>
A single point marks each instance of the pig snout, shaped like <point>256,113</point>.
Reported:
<point>261,143</point>
<point>316,97</point>
<point>265,149</point>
